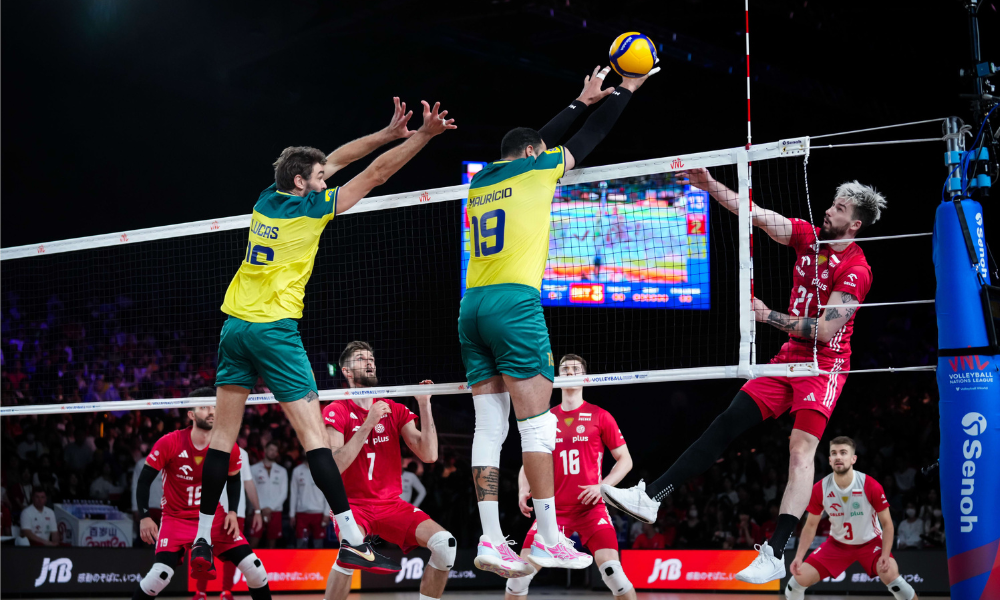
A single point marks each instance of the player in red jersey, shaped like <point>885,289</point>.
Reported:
<point>856,505</point>
<point>582,432</point>
<point>842,276</point>
<point>179,458</point>
<point>364,435</point>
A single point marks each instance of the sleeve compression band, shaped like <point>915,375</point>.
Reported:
<point>146,478</point>
<point>598,125</point>
<point>233,488</point>
<point>555,129</point>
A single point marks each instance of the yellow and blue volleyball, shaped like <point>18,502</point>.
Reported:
<point>632,54</point>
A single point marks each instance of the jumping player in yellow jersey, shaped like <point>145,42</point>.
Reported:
<point>505,343</point>
<point>261,338</point>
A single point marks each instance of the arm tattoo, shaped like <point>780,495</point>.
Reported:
<point>847,298</point>
<point>832,314</point>
<point>801,326</point>
<point>778,319</point>
<point>487,482</point>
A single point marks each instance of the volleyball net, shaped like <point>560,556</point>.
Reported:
<point>648,278</point>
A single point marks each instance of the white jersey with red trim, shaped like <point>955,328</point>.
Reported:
<point>853,510</point>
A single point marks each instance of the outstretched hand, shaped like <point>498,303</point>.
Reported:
<point>699,177</point>
<point>434,121</point>
<point>592,83</point>
<point>397,126</point>
<point>633,83</point>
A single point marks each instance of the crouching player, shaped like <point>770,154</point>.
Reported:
<point>364,435</point>
<point>180,457</point>
<point>582,432</point>
<point>856,505</point>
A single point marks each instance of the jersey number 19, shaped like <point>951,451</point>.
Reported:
<point>483,227</point>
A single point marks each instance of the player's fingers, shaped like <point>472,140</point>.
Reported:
<point>654,71</point>
<point>607,92</point>
<point>442,113</point>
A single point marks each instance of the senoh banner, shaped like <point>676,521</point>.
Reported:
<point>67,571</point>
<point>287,570</point>
<point>690,570</point>
<point>925,570</point>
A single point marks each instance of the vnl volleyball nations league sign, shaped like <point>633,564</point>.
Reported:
<point>968,376</point>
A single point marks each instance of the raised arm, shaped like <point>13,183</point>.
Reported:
<point>362,147</point>
<point>554,130</point>
<point>805,540</point>
<point>386,165</point>
<point>423,441</point>
<point>344,454</point>
<point>776,226</point>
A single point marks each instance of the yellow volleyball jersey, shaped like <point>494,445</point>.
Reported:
<point>284,237</point>
<point>509,208</point>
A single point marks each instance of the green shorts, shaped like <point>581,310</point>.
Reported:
<point>272,351</point>
<point>502,330</point>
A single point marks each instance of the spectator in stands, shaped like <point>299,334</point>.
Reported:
<point>649,539</point>
<point>45,479</point>
<point>691,533</point>
<point>905,475</point>
<point>38,522</point>
<point>909,532</point>
<point>103,488</point>
<point>748,533</point>
<point>308,512</point>
<point>935,530</point>
<point>271,480</point>
<point>412,483</point>
<point>771,523</point>
<point>30,448</point>
<point>931,502</point>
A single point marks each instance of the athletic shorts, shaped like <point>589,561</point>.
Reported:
<point>778,395</point>
<point>309,524</point>
<point>177,534</point>
<point>593,523</point>
<point>272,351</point>
<point>271,529</point>
<point>502,330</point>
<point>832,557</point>
<point>394,521</point>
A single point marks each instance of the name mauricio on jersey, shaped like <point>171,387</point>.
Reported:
<point>490,197</point>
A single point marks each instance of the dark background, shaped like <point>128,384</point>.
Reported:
<point>119,115</point>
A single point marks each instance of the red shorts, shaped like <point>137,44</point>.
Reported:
<point>593,523</point>
<point>832,557</point>
<point>394,521</point>
<point>777,395</point>
<point>309,524</point>
<point>272,527</point>
<point>177,534</point>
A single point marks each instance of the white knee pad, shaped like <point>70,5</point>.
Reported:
<point>442,546</point>
<point>342,570</point>
<point>614,577</point>
<point>492,414</point>
<point>538,434</point>
<point>900,589</point>
<point>254,571</point>
<point>518,586</point>
<point>157,579</point>
<point>794,590</point>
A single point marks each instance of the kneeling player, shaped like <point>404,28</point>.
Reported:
<point>852,500</point>
<point>180,455</point>
<point>369,429</point>
<point>581,434</point>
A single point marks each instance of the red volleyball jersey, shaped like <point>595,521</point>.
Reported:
<point>581,436</point>
<point>180,465</point>
<point>375,473</point>
<point>828,272</point>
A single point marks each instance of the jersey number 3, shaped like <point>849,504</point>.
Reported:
<point>483,227</point>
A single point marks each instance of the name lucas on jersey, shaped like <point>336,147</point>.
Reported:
<point>265,231</point>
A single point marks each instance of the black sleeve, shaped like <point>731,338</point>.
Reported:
<point>233,488</point>
<point>146,478</point>
<point>555,129</point>
<point>598,125</point>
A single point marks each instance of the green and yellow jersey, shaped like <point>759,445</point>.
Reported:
<point>284,237</point>
<point>509,208</point>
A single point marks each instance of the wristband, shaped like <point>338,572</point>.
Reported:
<point>256,512</point>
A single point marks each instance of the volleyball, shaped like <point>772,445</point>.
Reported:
<point>632,54</point>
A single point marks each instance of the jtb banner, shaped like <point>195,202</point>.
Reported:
<point>690,570</point>
<point>969,385</point>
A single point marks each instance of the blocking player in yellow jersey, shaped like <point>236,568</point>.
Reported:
<point>505,343</point>
<point>261,338</point>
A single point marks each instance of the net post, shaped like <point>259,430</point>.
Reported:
<point>748,325</point>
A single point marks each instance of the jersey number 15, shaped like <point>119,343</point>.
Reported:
<point>483,227</point>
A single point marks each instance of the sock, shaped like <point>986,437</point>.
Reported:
<point>348,527</point>
<point>423,597</point>
<point>545,512</point>
<point>213,479</point>
<point>489,516</point>
<point>741,415</point>
<point>201,585</point>
<point>795,590</point>
<point>228,574</point>
<point>261,593</point>
<point>783,531</point>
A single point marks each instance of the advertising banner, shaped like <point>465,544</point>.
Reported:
<point>465,575</point>
<point>61,571</point>
<point>925,570</point>
<point>690,570</point>
<point>109,532</point>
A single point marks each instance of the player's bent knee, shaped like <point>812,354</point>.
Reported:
<point>157,579</point>
<point>254,571</point>
<point>342,570</point>
<point>492,414</point>
<point>900,589</point>
<point>614,577</point>
<point>518,586</point>
<point>538,434</point>
<point>443,547</point>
